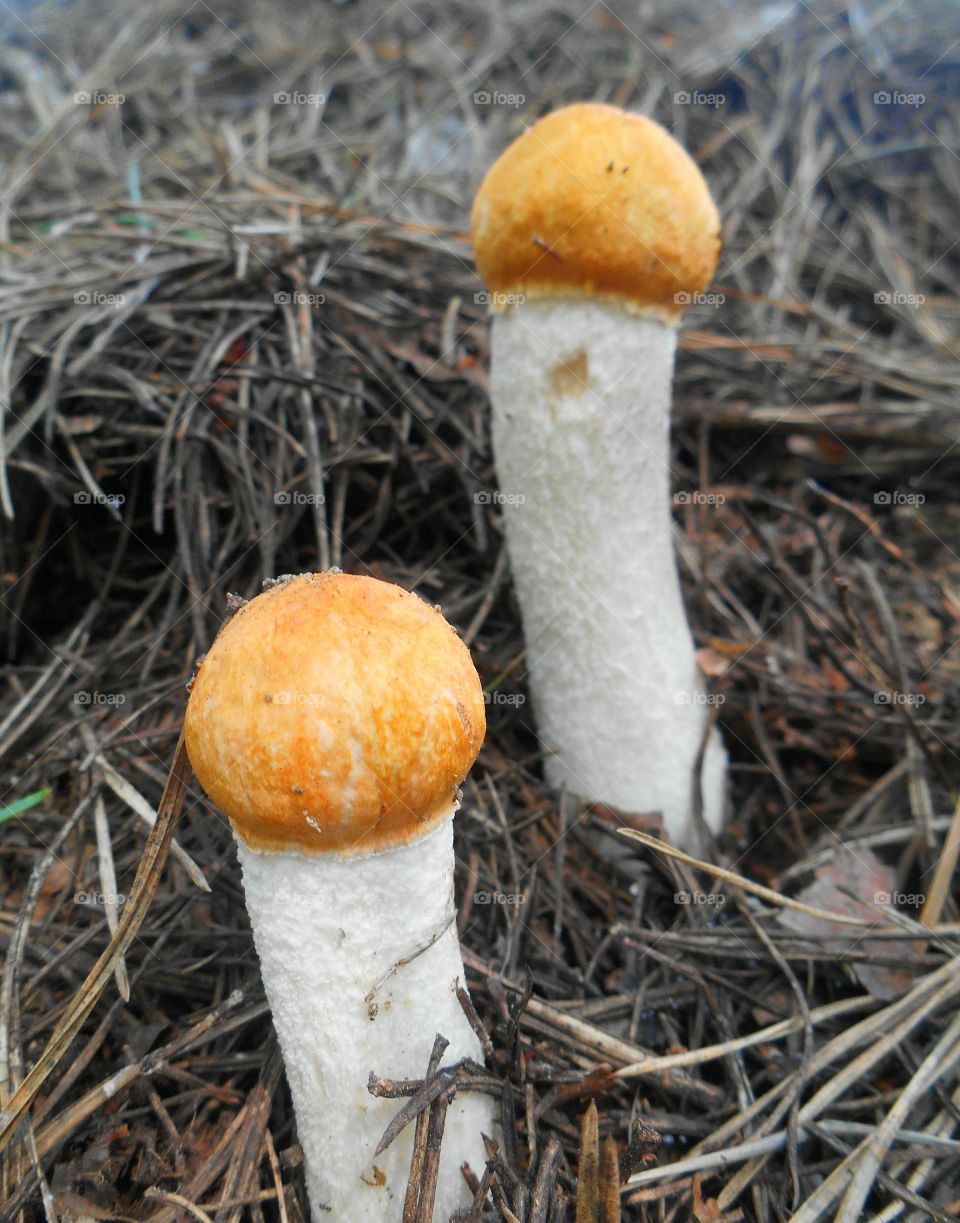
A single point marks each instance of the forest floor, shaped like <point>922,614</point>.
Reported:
<point>241,335</point>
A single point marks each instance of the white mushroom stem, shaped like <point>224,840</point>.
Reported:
<point>360,960</point>
<point>581,418</point>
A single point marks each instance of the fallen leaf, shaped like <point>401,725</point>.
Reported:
<point>850,886</point>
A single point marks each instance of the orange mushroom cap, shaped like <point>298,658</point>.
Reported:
<point>593,201</point>
<point>334,713</point>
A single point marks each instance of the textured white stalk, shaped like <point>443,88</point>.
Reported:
<point>581,419</point>
<point>360,958</point>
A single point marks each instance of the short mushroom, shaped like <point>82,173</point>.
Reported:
<point>333,720</point>
<point>592,232</point>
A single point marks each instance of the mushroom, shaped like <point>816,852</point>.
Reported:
<point>591,233</point>
<point>332,721</point>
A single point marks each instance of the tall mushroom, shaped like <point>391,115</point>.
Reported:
<point>592,232</point>
<point>332,721</point>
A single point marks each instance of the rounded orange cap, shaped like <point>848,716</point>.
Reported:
<point>334,713</point>
<point>593,201</point>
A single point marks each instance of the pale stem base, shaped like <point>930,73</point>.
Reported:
<point>360,958</point>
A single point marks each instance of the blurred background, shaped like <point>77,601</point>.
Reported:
<point>241,335</point>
